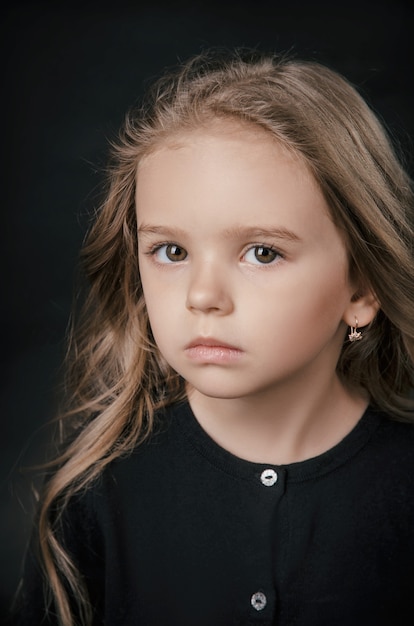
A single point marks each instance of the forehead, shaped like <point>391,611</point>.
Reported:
<point>215,180</point>
<point>230,129</point>
<point>241,151</point>
<point>243,154</point>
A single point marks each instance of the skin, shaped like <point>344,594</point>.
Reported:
<point>246,282</point>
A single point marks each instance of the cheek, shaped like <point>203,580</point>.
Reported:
<point>336,293</point>
<point>160,312</point>
<point>312,306</point>
<point>151,298</point>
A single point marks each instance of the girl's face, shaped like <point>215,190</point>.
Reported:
<point>244,274</point>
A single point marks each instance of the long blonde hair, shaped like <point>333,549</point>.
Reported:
<point>116,377</point>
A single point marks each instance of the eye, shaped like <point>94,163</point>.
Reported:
<point>169,253</point>
<point>262,255</point>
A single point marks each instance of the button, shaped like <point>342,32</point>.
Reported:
<point>268,477</point>
<point>258,601</point>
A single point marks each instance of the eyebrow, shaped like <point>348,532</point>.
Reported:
<point>238,232</point>
<point>152,229</point>
<point>249,232</point>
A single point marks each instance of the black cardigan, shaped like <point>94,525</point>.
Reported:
<point>183,533</point>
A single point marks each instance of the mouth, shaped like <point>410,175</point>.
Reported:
<point>210,342</point>
<point>211,350</point>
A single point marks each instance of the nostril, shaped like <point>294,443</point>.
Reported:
<point>208,296</point>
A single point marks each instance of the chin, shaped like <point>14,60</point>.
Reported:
<point>218,392</point>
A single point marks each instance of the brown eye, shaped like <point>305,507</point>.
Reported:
<point>175,253</point>
<point>264,255</point>
<point>170,253</point>
<point>261,254</point>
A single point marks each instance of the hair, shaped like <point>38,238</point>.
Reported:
<point>116,378</point>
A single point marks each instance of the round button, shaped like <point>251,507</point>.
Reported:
<point>268,477</point>
<point>258,601</point>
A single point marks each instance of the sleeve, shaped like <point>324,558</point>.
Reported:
<point>79,535</point>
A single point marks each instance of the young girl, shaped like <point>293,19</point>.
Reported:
<point>239,443</point>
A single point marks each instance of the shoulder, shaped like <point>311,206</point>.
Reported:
<point>394,434</point>
<point>390,450</point>
<point>144,469</point>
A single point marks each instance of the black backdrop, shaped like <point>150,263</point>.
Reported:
<point>69,74</point>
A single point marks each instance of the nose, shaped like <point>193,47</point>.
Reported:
<point>209,291</point>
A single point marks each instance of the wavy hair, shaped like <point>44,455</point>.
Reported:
<point>116,376</point>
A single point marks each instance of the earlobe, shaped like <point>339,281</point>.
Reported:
<point>363,306</point>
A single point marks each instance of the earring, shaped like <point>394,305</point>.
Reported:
<point>354,335</point>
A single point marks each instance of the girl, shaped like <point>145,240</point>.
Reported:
<point>238,448</point>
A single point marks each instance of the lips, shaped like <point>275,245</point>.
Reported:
<point>210,342</point>
<point>213,351</point>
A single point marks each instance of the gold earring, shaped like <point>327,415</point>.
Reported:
<point>354,335</point>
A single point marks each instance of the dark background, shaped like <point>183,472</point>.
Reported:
<point>68,76</point>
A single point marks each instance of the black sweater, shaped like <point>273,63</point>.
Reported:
<point>183,533</point>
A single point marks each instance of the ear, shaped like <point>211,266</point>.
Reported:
<point>363,306</point>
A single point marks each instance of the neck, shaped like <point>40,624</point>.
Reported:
<point>280,427</point>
